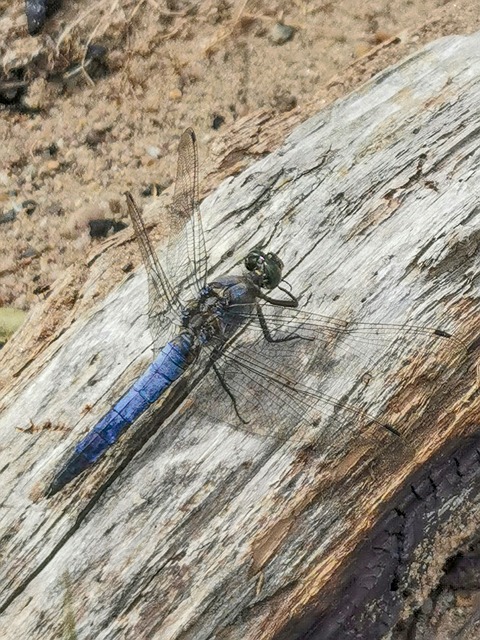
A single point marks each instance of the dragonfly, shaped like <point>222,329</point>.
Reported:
<point>235,333</point>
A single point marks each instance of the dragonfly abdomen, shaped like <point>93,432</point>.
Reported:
<point>169,365</point>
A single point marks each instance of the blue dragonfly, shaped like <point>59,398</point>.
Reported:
<point>210,328</point>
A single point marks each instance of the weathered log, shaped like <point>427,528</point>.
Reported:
<point>208,532</point>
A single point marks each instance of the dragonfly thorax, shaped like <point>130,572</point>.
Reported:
<point>203,316</point>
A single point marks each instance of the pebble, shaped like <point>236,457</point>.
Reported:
<point>10,216</point>
<point>217,121</point>
<point>100,227</point>
<point>29,206</point>
<point>36,11</point>
<point>175,94</point>
<point>51,166</point>
<point>29,253</point>
<point>281,33</point>
<point>153,189</point>
<point>153,152</point>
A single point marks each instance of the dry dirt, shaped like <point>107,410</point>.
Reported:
<point>78,132</point>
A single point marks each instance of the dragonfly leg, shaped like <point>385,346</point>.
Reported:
<point>292,303</point>
<point>268,336</point>
<point>228,392</point>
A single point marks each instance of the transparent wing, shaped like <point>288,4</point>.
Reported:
<point>285,389</point>
<point>251,393</point>
<point>187,255</point>
<point>164,307</point>
<point>366,339</point>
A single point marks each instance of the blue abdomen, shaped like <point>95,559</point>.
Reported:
<point>169,365</point>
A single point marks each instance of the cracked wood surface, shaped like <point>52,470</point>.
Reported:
<point>209,532</point>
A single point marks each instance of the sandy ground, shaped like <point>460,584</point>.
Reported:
<point>78,133</point>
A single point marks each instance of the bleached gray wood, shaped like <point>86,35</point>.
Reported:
<point>210,532</point>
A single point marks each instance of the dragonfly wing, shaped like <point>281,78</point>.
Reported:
<point>285,389</point>
<point>187,255</point>
<point>164,306</point>
<point>254,397</point>
<point>367,340</point>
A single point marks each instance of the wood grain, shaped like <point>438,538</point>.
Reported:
<point>209,532</point>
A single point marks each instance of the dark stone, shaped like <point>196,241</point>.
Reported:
<point>10,216</point>
<point>217,121</point>
<point>29,253</point>
<point>37,11</point>
<point>29,206</point>
<point>41,289</point>
<point>281,33</point>
<point>52,149</point>
<point>153,189</point>
<point>100,228</point>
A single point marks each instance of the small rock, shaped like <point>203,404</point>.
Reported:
<point>100,227</point>
<point>8,217</point>
<point>217,121</point>
<point>281,33</point>
<point>52,149</point>
<point>153,152</point>
<point>127,267</point>
<point>36,11</point>
<point>41,289</point>
<point>29,206</point>
<point>49,167</point>
<point>175,94</point>
<point>153,189</point>
<point>29,253</point>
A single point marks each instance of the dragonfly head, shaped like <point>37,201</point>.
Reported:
<point>266,268</point>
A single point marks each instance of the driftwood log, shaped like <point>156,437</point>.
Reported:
<point>193,530</point>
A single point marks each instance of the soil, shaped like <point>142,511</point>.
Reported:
<point>95,103</point>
